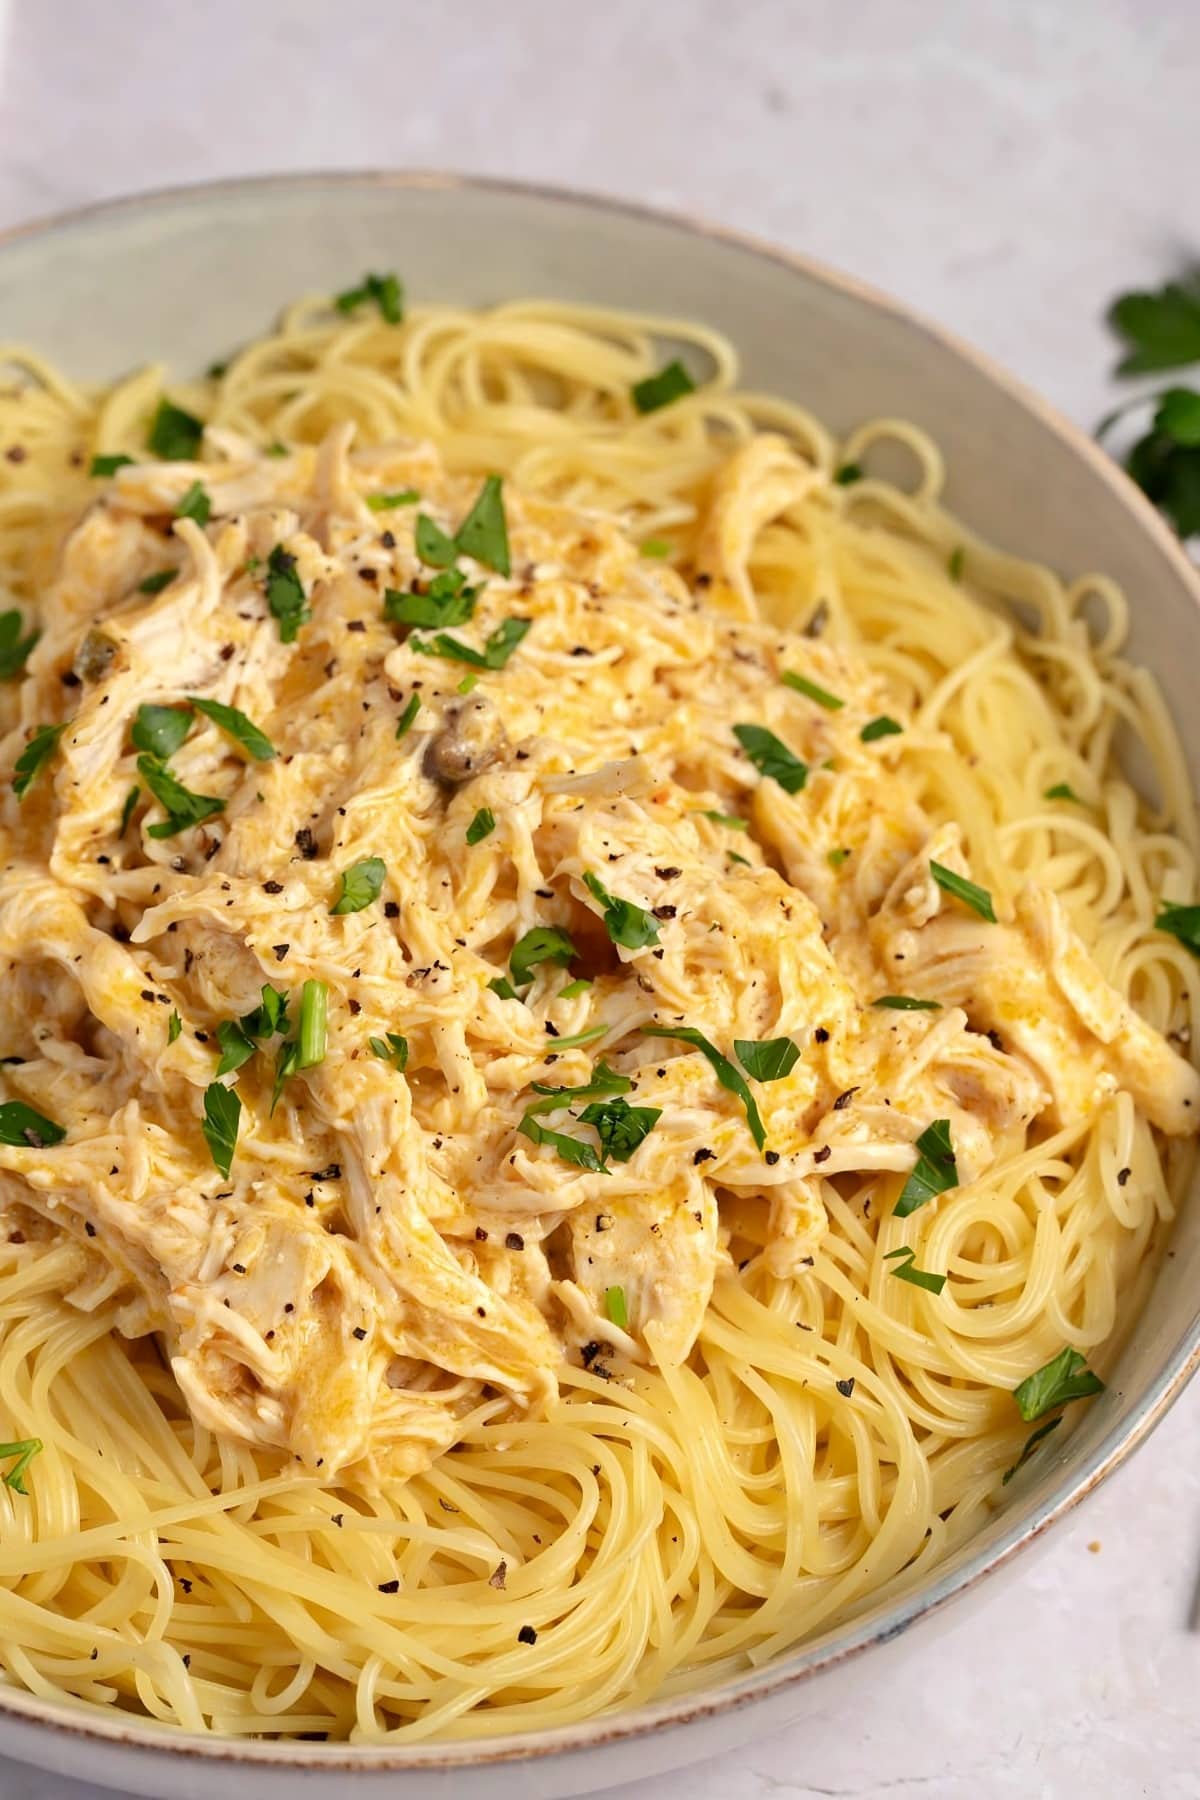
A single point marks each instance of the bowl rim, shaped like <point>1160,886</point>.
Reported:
<point>146,1737</point>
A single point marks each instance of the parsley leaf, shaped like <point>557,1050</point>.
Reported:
<point>1168,472</point>
<point>160,730</point>
<point>1031,1444</point>
<point>628,925</point>
<point>483,534</point>
<point>1182,922</point>
<point>410,712</point>
<point>619,1126</point>
<point>236,725</point>
<point>389,502</point>
<point>835,858</point>
<point>907,1270</point>
<point>182,807</point>
<point>20,1124</point>
<point>481,826</point>
<point>174,1027</point>
<point>770,1059</point>
<point>936,1171</point>
<point>848,474</point>
<point>24,1449</point>
<point>771,757</point>
<point>589,1036</point>
<point>544,943</point>
<point>392,1049</point>
<point>108,465</point>
<point>977,898</point>
<point>502,986</point>
<point>724,1070</point>
<point>447,601</point>
<point>811,691</point>
<point>195,504</point>
<point>730,819</point>
<point>616,1308</point>
<point>127,811</point>
<point>907,1003</point>
<point>570,1149</point>
<point>1163,328</point>
<point>655,547</point>
<point>385,290</point>
<point>13,647</point>
<point>670,383</point>
<point>38,750</point>
<point>1065,1377</point>
<point>1178,415</point>
<point>174,434</point>
<point>361,884</point>
<point>579,986</point>
<point>496,651</point>
<point>285,594</point>
<point>236,1047</point>
<point>880,728</point>
<point>269,1016</point>
<point>956,563</point>
<point>602,1083</point>
<point>222,1114</point>
<point>434,546</point>
<point>1061,790</point>
<point>154,584</point>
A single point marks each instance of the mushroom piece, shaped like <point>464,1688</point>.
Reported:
<point>471,739</point>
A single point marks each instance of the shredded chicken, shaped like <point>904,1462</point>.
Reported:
<point>389,1252</point>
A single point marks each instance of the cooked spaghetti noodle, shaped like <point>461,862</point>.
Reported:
<point>408,1400</point>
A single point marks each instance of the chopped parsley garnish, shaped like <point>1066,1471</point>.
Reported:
<point>670,383</point>
<point>628,925</point>
<point>222,1115</point>
<point>977,898</point>
<point>1031,1443</point>
<point>502,986</point>
<point>811,691</point>
<point>544,943</point>
<point>269,1016</point>
<point>196,503</point>
<point>108,465</point>
<point>385,290</point>
<point>313,1029</point>
<point>467,685</point>
<point>907,1003</point>
<point>434,546</point>
<point>392,1049</point>
<point>447,601</point>
<point>127,811</point>
<point>411,709</point>
<point>496,651</point>
<point>483,534</point>
<point>285,1065</point>
<point>730,819</point>
<point>848,474</point>
<point>589,1036</point>
<point>24,1449</point>
<point>955,563</point>
<point>619,1126</point>
<point>481,826</point>
<point>20,1124</point>
<point>936,1171</point>
<point>1161,329</point>
<point>769,1059</point>
<point>880,728</point>
<point>1182,922</point>
<point>174,1027</point>
<point>38,750</point>
<point>570,1149</point>
<point>236,1047</point>
<point>236,725</point>
<point>655,547</point>
<point>603,1083</point>
<point>160,730</point>
<point>154,584</point>
<point>771,757</point>
<point>907,1270</point>
<point>1061,790</point>
<point>14,649</point>
<point>616,1308</point>
<point>580,985</point>
<point>1064,1378</point>
<point>726,1074</point>
<point>182,807</point>
<point>362,883</point>
<point>388,502</point>
<point>174,434</point>
<point>285,594</point>
<point>836,858</point>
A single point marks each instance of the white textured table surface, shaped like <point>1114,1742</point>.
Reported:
<point>1004,167</point>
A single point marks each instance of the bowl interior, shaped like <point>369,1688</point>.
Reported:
<point>183,277</point>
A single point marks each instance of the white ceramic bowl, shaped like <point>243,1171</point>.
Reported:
<point>183,276</point>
